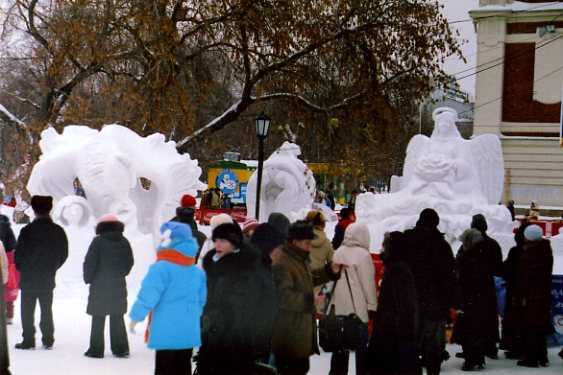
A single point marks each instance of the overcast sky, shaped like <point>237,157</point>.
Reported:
<point>456,10</point>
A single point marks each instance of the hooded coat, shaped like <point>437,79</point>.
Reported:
<point>6,234</point>
<point>174,293</point>
<point>354,252</point>
<point>321,250</point>
<point>186,215</point>
<point>241,306</point>
<point>108,261</point>
<point>295,328</point>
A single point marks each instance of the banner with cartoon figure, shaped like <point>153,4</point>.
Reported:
<point>557,310</point>
<point>231,178</point>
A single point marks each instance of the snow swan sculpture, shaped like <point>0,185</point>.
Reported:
<point>456,177</point>
<point>110,164</point>
<point>288,185</point>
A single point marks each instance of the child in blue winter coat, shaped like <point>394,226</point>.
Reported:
<point>173,293</point>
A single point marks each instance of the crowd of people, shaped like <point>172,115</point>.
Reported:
<point>248,300</point>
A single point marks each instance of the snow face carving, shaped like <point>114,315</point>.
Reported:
<point>458,178</point>
<point>288,185</point>
<point>109,164</point>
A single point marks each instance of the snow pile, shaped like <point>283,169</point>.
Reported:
<point>458,178</point>
<point>288,185</point>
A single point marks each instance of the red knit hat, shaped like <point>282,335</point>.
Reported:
<point>188,201</point>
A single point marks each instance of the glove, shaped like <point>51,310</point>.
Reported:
<point>132,325</point>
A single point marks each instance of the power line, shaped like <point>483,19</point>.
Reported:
<point>500,14</point>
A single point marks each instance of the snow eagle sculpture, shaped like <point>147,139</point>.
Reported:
<point>110,163</point>
<point>457,177</point>
<point>288,185</point>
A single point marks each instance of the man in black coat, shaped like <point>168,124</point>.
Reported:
<point>241,306</point>
<point>431,262</point>
<point>186,214</point>
<point>493,254</point>
<point>108,261</point>
<point>41,250</point>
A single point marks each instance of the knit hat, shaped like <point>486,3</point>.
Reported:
<point>188,201</point>
<point>533,233</point>
<point>220,219</point>
<point>301,230</point>
<point>230,232</point>
<point>178,236</point>
<point>280,222</point>
<point>42,204</point>
<point>249,225</point>
<point>345,213</point>
<point>428,218</point>
<point>108,218</point>
<point>267,238</point>
<point>470,238</point>
<point>480,223</point>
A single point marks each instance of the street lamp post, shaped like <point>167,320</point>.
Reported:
<point>262,127</point>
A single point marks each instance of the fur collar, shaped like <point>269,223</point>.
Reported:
<point>110,226</point>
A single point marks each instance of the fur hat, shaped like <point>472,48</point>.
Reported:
<point>178,236</point>
<point>267,238</point>
<point>230,232</point>
<point>188,201</point>
<point>533,233</point>
<point>42,204</point>
<point>280,222</point>
<point>301,230</point>
<point>428,218</point>
<point>220,219</point>
<point>316,218</point>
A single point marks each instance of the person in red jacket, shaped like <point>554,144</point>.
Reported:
<point>346,218</point>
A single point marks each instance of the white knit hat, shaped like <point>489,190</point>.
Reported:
<point>533,233</point>
<point>220,219</point>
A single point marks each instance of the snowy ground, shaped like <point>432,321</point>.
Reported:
<point>72,330</point>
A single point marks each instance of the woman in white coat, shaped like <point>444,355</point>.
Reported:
<point>354,252</point>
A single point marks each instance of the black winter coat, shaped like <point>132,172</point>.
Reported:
<point>511,335</point>
<point>431,262</point>
<point>392,347</point>
<point>186,216</point>
<point>41,249</point>
<point>479,321</point>
<point>108,261</point>
<point>531,296</point>
<point>241,307</point>
<point>6,234</point>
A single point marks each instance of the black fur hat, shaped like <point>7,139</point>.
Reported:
<point>41,204</point>
<point>230,232</point>
<point>301,230</point>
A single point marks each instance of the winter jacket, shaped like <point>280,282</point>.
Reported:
<point>392,347</point>
<point>361,273</point>
<point>41,249</point>
<point>511,335</point>
<point>241,306</point>
<point>531,295</point>
<point>295,328</point>
<point>479,322</point>
<point>321,250</point>
<point>4,355</point>
<point>108,261</point>
<point>6,234</point>
<point>339,231</point>
<point>175,294</point>
<point>431,262</point>
<point>186,216</point>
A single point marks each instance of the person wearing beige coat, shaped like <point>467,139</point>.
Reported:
<point>354,252</point>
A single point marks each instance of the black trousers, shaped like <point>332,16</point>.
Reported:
<point>534,344</point>
<point>29,299</point>
<point>292,366</point>
<point>173,362</point>
<point>118,335</point>
<point>339,361</point>
<point>431,344</point>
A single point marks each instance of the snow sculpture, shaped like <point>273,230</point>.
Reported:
<point>109,163</point>
<point>73,211</point>
<point>288,185</point>
<point>456,177</point>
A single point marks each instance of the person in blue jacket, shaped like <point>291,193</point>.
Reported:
<point>173,293</point>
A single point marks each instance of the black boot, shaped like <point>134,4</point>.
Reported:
<point>528,363</point>
<point>25,345</point>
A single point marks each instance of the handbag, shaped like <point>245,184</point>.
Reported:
<point>341,332</point>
